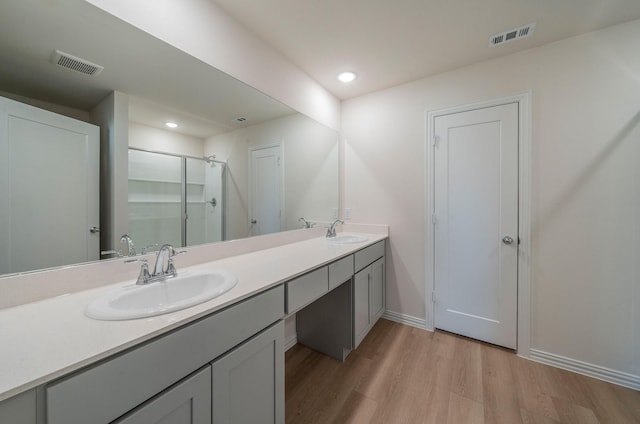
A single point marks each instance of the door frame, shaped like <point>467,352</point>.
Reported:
<point>250,150</point>
<point>524,212</point>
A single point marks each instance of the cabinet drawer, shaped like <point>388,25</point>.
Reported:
<point>104,392</point>
<point>304,290</point>
<point>340,271</point>
<point>368,255</point>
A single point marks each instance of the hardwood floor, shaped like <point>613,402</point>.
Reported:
<point>401,374</point>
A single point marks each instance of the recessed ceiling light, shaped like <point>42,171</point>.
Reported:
<point>346,77</point>
<point>171,124</point>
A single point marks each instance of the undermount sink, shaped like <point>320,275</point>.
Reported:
<point>140,301</point>
<point>347,239</point>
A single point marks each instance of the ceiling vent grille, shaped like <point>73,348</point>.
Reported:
<point>77,64</point>
<point>512,35</point>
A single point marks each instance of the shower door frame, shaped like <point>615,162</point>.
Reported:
<point>183,189</point>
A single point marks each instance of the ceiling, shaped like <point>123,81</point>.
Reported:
<point>392,42</point>
<point>387,43</point>
<point>164,82</point>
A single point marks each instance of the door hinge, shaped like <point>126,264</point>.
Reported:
<point>435,141</point>
<point>434,219</point>
<point>433,296</point>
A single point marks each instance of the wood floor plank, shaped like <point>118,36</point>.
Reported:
<point>571,413</point>
<point>357,409</point>
<point>464,411</point>
<point>584,415</point>
<point>301,392</point>
<point>340,390</point>
<point>383,380</point>
<point>501,404</point>
<point>608,406</point>
<point>529,417</point>
<point>401,374</point>
<point>566,385</point>
<point>631,400</point>
<point>531,396</point>
<point>467,370</point>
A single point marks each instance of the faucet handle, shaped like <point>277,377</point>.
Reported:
<point>144,261</point>
<point>118,253</point>
<point>171,268</point>
<point>176,253</point>
<point>144,276</point>
<point>145,249</point>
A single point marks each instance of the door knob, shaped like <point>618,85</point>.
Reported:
<point>507,239</point>
<point>253,221</point>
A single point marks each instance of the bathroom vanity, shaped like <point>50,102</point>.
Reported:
<point>221,361</point>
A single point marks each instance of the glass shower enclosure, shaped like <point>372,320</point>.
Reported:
<point>175,199</point>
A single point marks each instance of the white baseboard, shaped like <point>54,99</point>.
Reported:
<point>291,342</point>
<point>585,368</point>
<point>405,319</point>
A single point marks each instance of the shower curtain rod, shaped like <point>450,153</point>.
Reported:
<point>204,158</point>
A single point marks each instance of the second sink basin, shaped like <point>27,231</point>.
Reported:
<point>139,301</point>
<point>347,239</point>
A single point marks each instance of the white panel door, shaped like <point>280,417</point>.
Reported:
<point>49,186</point>
<point>476,223</point>
<point>265,191</point>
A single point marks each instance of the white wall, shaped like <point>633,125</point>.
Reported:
<point>205,31</point>
<point>585,284</point>
<point>81,115</point>
<point>167,141</point>
<point>310,169</point>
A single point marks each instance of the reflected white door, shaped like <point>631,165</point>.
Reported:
<point>265,190</point>
<point>476,223</point>
<point>49,176</point>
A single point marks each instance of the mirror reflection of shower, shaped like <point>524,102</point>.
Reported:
<point>175,199</point>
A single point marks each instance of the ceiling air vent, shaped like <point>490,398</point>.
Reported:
<point>76,64</point>
<point>511,35</point>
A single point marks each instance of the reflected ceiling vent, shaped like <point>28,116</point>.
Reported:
<point>239,119</point>
<point>512,35</point>
<point>77,64</point>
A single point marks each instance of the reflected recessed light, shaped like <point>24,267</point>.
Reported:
<point>171,124</point>
<point>346,77</point>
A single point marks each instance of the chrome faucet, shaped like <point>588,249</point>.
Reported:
<point>307,224</point>
<point>160,271</point>
<point>331,230</point>
<point>131,251</point>
<point>166,253</point>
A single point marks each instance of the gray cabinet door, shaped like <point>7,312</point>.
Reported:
<point>188,402</point>
<point>361,305</point>
<point>377,295</point>
<point>368,299</point>
<point>248,382</point>
<point>20,409</point>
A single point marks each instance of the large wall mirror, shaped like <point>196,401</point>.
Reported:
<point>239,164</point>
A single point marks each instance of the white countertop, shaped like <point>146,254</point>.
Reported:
<point>47,339</point>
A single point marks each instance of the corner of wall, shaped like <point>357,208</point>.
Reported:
<point>112,115</point>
